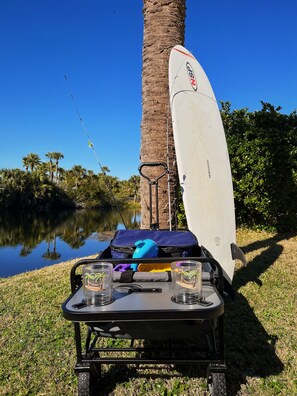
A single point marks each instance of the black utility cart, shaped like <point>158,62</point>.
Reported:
<point>147,316</point>
<point>143,309</point>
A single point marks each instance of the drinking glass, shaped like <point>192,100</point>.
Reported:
<point>186,281</point>
<point>97,283</point>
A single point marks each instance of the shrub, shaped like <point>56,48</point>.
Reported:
<point>263,156</point>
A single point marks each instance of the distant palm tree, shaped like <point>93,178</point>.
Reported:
<point>31,161</point>
<point>105,169</point>
<point>26,163</point>
<point>134,186</point>
<point>49,155</point>
<point>57,156</point>
<point>42,170</point>
<point>78,173</point>
<point>61,173</point>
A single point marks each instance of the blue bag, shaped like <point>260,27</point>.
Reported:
<point>170,243</point>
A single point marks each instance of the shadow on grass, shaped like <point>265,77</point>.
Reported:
<point>120,374</point>
<point>250,350</point>
<point>116,374</point>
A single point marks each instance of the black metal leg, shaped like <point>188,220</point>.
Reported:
<point>221,338</point>
<point>88,340</point>
<point>78,342</point>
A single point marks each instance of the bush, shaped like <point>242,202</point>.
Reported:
<point>24,190</point>
<point>263,156</point>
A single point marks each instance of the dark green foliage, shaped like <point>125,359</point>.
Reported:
<point>19,189</point>
<point>88,189</point>
<point>76,187</point>
<point>181,215</point>
<point>263,155</point>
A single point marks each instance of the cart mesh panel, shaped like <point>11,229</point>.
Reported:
<point>153,330</point>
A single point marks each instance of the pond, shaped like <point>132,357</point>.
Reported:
<point>30,241</point>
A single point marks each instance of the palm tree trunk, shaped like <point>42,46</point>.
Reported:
<point>164,25</point>
<point>51,170</point>
<point>57,170</point>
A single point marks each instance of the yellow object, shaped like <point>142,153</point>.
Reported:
<point>156,267</point>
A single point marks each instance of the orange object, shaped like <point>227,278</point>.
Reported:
<point>155,267</point>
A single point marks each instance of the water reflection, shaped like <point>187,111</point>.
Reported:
<point>32,240</point>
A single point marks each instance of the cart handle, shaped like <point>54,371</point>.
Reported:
<point>153,182</point>
<point>151,165</point>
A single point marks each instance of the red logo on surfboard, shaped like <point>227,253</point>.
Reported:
<point>192,77</point>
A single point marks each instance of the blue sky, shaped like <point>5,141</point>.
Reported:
<point>247,48</point>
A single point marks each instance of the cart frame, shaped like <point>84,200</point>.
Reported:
<point>89,359</point>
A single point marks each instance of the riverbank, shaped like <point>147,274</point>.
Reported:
<point>37,345</point>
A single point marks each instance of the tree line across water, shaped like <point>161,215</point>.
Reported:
<point>263,154</point>
<point>43,185</point>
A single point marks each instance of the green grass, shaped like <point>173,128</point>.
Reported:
<point>37,352</point>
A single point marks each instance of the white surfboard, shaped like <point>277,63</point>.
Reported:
<point>202,159</point>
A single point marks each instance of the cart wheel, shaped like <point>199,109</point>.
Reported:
<point>95,378</point>
<point>217,384</point>
<point>84,383</point>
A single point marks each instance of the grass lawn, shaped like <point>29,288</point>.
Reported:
<point>37,353</point>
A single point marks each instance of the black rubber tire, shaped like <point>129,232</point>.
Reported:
<point>95,378</point>
<point>217,385</point>
<point>84,383</point>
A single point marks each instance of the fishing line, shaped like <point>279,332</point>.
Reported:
<point>91,146</point>
<point>168,171</point>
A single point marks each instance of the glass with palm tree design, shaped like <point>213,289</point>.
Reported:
<point>186,281</point>
<point>97,283</point>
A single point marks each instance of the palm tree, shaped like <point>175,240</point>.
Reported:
<point>105,169</point>
<point>78,173</point>
<point>26,163</point>
<point>164,25</point>
<point>31,161</point>
<point>57,156</point>
<point>42,170</point>
<point>49,155</point>
<point>133,184</point>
